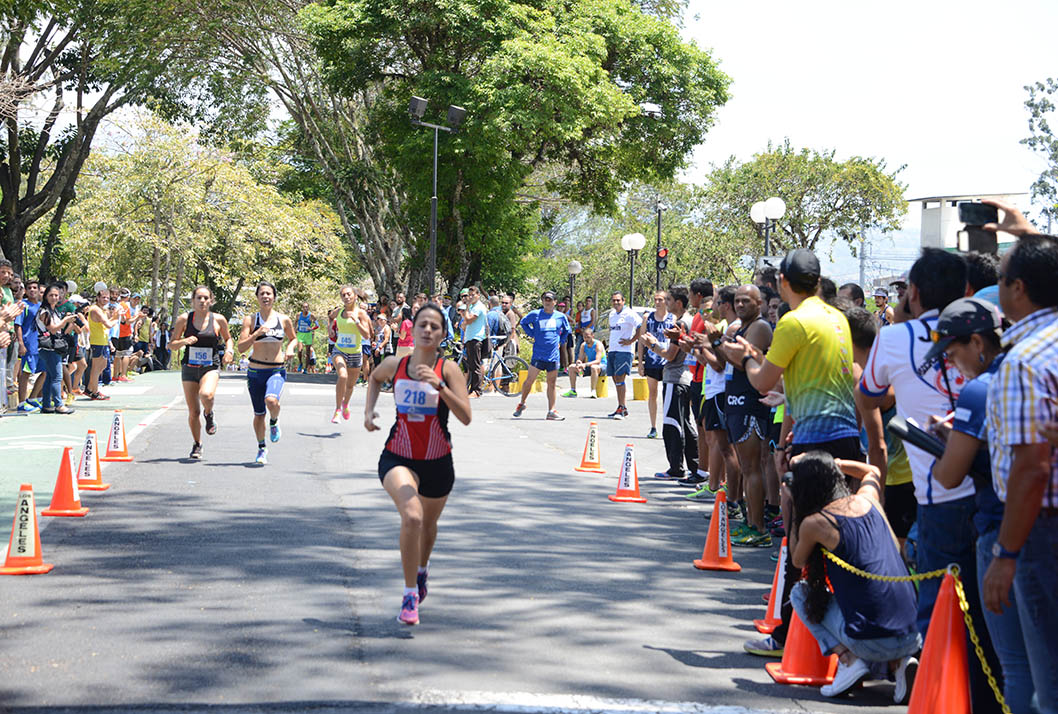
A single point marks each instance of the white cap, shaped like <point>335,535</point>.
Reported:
<point>71,286</point>
<point>100,287</point>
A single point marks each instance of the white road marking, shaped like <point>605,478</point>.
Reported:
<point>568,704</point>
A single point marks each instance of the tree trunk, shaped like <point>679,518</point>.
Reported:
<point>51,243</point>
<point>164,299</point>
<point>155,263</point>
<point>11,241</point>
<point>178,286</point>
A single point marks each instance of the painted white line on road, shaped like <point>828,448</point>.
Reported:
<point>568,704</point>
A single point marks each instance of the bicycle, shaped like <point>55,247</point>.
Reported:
<point>500,372</point>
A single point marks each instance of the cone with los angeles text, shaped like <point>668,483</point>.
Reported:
<point>66,500</point>
<point>591,459</point>
<point>89,473</point>
<point>943,681</point>
<point>717,552</point>
<point>23,550</point>
<point>117,447</point>
<point>628,481</point>
<point>773,617</point>
<point>802,662</point>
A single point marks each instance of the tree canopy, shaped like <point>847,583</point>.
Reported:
<point>1041,139</point>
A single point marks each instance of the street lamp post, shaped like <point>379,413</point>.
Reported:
<point>575,269</point>
<point>767,213</point>
<point>633,243</point>
<point>416,110</point>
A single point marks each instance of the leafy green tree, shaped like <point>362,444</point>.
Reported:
<point>824,197</point>
<point>83,60</point>
<point>546,85</point>
<point>1041,139</point>
<point>163,212</point>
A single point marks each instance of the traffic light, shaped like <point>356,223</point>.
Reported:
<point>663,258</point>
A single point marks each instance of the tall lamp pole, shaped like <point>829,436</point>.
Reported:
<point>632,243</point>
<point>766,213</point>
<point>575,269</point>
<point>416,110</point>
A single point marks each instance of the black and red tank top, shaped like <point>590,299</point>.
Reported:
<point>421,429</point>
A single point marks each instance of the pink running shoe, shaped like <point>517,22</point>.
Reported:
<point>345,411</point>
<point>409,609</point>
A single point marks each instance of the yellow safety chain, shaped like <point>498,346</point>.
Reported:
<point>884,578</point>
<point>963,605</point>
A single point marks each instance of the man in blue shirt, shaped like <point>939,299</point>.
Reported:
<point>548,329</point>
<point>27,336</point>
<point>476,332</point>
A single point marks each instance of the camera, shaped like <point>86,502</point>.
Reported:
<point>974,213</point>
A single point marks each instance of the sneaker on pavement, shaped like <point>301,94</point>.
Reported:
<point>693,480</point>
<point>274,433</point>
<point>27,408</point>
<point>905,679</point>
<point>196,451</point>
<point>262,456</point>
<point>665,476</point>
<point>652,434</point>
<point>767,647</point>
<point>420,581</point>
<point>555,416</point>
<point>570,393</point>
<point>736,529</point>
<point>703,494</point>
<point>409,609</point>
<point>98,396</point>
<point>752,538</point>
<point>846,678</point>
<point>519,409</point>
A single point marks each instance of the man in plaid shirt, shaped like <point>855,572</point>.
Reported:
<point>1022,398</point>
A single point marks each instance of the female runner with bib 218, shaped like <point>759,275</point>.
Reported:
<point>264,332</point>
<point>205,335</point>
<point>353,326</point>
<point>416,464</point>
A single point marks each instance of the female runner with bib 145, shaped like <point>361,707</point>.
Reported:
<point>205,335</point>
<point>264,332</point>
<point>416,464</point>
<point>353,326</point>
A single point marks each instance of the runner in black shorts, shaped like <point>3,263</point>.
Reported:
<point>416,464</point>
<point>207,343</point>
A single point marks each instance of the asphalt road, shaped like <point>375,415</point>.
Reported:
<point>217,584</point>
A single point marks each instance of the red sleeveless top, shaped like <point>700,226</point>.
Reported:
<point>421,429</point>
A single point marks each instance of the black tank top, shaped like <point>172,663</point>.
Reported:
<point>207,337</point>
<point>739,383</point>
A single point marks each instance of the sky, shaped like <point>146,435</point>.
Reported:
<point>937,87</point>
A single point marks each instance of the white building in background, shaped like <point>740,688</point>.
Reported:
<point>941,227</point>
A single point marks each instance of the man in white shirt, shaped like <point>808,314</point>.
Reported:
<point>625,327</point>
<point>946,532</point>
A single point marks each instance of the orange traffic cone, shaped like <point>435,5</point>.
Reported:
<point>943,681</point>
<point>23,551</point>
<point>65,501</point>
<point>773,617</point>
<point>628,482</point>
<point>802,662</point>
<point>717,552</point>
<point>117,448</point>
<point>89,474</point>
<point>590,461</point>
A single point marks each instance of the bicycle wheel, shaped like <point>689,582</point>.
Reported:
<point>506,381</point>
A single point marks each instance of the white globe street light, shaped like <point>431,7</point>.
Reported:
<point>766,213</point>
<point>574,269</point>
<point>632,243</point>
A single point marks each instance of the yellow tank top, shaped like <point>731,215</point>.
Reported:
<point>145,331</point>
<point>97,333</point>
<point>348,335</point>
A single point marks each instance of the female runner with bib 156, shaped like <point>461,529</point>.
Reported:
<point>416,464</point>
<point>353,326</point>
<point>205,335</point>
<point>264,332</point>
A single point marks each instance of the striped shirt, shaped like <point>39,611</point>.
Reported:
<point>1020,397</point>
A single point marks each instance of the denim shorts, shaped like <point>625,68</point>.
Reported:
<point>618,364</point>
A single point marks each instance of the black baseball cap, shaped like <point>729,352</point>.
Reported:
<point>962,318</point>
<point>800,266</point>
<point>548,295</point>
